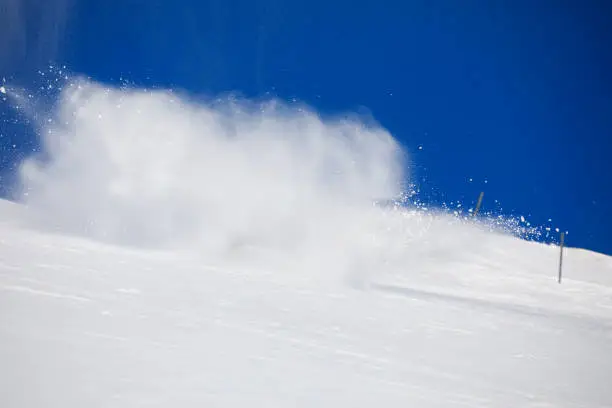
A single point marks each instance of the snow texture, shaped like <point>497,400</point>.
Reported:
<point>177,253</point>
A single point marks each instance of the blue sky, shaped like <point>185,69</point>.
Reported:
<point>514,95</point>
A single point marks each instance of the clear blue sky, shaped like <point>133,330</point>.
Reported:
<point>518,93</point>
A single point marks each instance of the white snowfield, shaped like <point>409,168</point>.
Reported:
<point>473,319</point>
<point>177,253</point>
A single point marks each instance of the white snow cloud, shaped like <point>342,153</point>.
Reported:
<point>151,168</point>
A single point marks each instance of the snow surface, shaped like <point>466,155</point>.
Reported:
<point>174,253</point>
<point>84,324</point>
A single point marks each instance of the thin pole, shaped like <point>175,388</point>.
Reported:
<point>478,204</point>
<point>561,256</point>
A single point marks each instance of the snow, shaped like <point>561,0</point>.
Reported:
<point>187,256</point>
<point>2,90</point>
<point>466,324</point>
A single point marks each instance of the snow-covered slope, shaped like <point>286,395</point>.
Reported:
<point>177,253</point>
<point>476,322</point>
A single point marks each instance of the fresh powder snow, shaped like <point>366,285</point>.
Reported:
<point>171,253</point>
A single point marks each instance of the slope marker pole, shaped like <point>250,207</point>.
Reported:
<point>562,242</point>
<point>478,204</point>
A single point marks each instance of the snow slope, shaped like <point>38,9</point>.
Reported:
<point>168,252</point>
<point>83,324</point>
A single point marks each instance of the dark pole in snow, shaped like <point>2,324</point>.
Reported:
<point>478,204</point>
<point>561,256</point>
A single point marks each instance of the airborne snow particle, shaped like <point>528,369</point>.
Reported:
<point>2,90</point>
